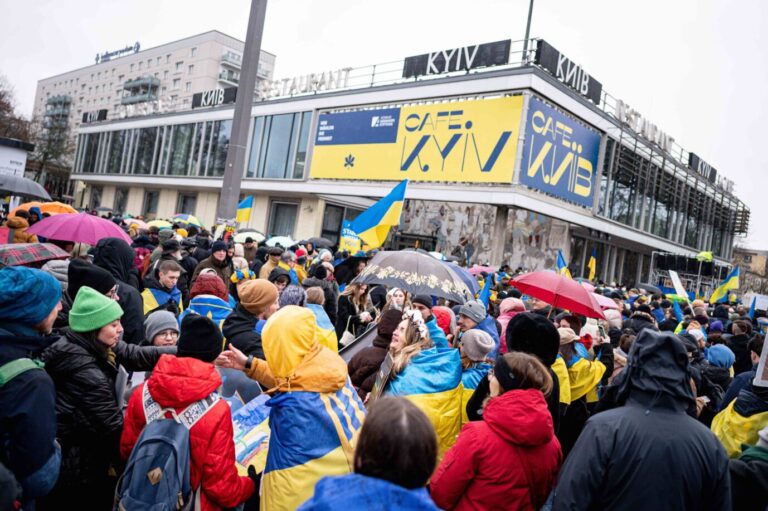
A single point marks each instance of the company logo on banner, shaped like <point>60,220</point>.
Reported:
<point>560,155</point>
<point>465,141</point>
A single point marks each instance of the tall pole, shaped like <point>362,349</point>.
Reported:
<point>527,33</point>
<point>233,171</point>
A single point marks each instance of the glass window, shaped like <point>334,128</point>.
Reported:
<point>196,169</point>
<point>176,83</point>
<point>116,151</point>
<point>191,69</point>
<point>282,219</point>
<point>121,200</point>
<point>168,59</point>
<point>181,146</point>
<point>145,150</point>
<point>275,157</point>
<point>193,51</point>
<point>151,199</point>
<point>188,87</point>
<point>301,148</point>
<point>186,203</point>
<point>332,219</point>
<point>89,154</point>
<point>165,75</point>
<point>218,145</point>
<point>178,66</point>
<point>96,192</point>
<point>256,143</point>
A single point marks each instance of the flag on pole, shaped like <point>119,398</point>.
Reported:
<point>731,282</point>
<point>485,293</point>
<point>244,209</point>
<point>373,224</point>
<point>562,267</point>
<point>752,309</point>
<point>592,264</point>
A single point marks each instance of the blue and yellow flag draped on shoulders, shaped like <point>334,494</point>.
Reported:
<point>244,209</point>
<point>731,282</point>
<point>372,225</point>
<point>432,381</point>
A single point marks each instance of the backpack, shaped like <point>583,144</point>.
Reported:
<point>12,369</point>
<point>157,475</point>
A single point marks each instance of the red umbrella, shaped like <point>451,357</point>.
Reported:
<point>559,291</point>
<point>78,227</point>
<point>605,302</point>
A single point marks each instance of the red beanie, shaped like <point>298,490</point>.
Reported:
<point>443,318</point>
<point>209,284</point>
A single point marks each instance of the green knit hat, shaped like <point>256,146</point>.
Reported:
<point>92,310</point>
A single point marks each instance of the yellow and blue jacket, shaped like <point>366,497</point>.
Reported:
<point>315,414</point>
<point>740,421</point>
<point>563,379</point>
<point>470,379</point>
<point>432,381</point>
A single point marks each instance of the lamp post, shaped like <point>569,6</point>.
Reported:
<point>527,33</point>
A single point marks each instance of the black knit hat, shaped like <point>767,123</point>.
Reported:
<point>81,273</point>
<point>320,272</point>
<point>424,300</point>
<point>170,246</point>
<point>533,333</point>
<point>200,338</point>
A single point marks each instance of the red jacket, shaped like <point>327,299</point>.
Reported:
<point>509,460</point>
<point>177,382</point>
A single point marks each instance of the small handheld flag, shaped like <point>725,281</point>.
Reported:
<point>244,209</point>
<point>562,267</point>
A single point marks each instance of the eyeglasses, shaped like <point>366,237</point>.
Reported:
<point>168,333</point>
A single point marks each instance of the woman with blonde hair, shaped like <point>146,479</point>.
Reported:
<point>427,376</point>
<point>355,310</point>
<point>397,299</point>
<point>511,458</point>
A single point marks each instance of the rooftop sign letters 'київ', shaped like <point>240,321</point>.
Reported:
<point>568,72</point>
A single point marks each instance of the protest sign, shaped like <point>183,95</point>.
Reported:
<point>251,434</point>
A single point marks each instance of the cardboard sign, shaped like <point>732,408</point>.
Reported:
<point>251,434</point>
<point>382,377</point>
<point>761,376</point>
<point>678,285</point>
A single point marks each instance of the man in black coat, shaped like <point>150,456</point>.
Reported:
<point>648,453</point>
<point>29,302</point>
<point>742,333</point>
<point>115,256</point>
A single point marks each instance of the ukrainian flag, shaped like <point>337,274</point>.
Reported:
<point>244,209</point>
<point>592,264</point>
<point>563,379</point>
<point>373,224</point>
<point>470,379</point>
<point>562,266</point>
<point>584,375</point>
<point>731,282</point>
<point>155,298</point>
<point>432,381</point>
<point>212,307</point>
<point>326,333</point>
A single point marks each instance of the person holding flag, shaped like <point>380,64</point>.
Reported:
<point>372,226</point>
<point>731,282</point>
<point>592,265</point>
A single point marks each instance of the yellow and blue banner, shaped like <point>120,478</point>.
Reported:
<point>731,282</point>
<point>372,225</point>
<point>592,265</point>
<point>562,266</point>
<point>432,381</point>
<point>560,155</point>
<point>473,141</point>
<point>244,209</point>
<point>349,240</point>
<point>312,436</point>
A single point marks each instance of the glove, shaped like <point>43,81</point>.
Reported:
<point>256,478</point>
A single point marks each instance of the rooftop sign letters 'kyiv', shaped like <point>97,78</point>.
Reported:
<point>458,59</point>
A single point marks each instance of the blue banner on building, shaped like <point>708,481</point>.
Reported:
<point>361,127</point>
<point>560,155</point>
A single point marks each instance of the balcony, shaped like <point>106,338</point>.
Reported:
<point>57,111</point>
<point>59,99</point>
<point>142,82</point>
<point>232,60</point>
<point>229,78</point>
<point>139,98</point>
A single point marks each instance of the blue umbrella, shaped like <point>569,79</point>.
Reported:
<point>465,277</point>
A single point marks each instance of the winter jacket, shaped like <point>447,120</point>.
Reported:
<point>209,306</point>
<point>222,269</point>
<point>176,383</point>
<point>639,321</point>
<point>741,420</point>
<point>740,381</point>
<point>250,253</point>
<point>364,366</point>
<point>28,414</point>
<point>240,329</point>
<point>188,265</point>
<point>267,267</point>
<point>20,234</point>
<point>355,492</point>
<point>315,412</point>
<point>738,344</point>
<point>157,297</point>
<point>59,269</point>
<point>89,417</point>
<point>648,453</point>
<point>115,256</point>
<point>329,291</point>
<point>470,379</point>
<point>509,460</point>
<point>505,315</point>
<point>749,479</point>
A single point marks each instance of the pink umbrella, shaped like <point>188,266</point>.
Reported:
<point>589,287</point>
<point>559,291</point>
<point>605,302</point>
<point>140,224</point>
<point>78,227</point>
<point>477,270</point>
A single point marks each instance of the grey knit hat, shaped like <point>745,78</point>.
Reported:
<point>477,344</point>
<point>293,295</point>
<point>474,310</point>
<point>157,322</point>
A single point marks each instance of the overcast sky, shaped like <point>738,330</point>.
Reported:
<point>697,69</point>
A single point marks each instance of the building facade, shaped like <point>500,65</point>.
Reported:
<point>509,161</point>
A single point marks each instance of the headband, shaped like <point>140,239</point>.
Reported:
<point>414,316</point>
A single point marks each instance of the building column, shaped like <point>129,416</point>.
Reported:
<point>622,255</point>
<point>639,271</point>
<point>499,235</point>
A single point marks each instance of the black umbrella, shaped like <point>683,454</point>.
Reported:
<point>22,187</point>
<point>318,242</point>
<point>415,273</point>
<point>650,288</point>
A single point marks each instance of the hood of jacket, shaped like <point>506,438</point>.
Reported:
<point>751,400</point>
<point>115,256</point>
<point>643,316</point>
<point>296,359</point>
<point>16,222</point>
<point>520,417</point>
<point>353,491</point>
<point>178,381</point>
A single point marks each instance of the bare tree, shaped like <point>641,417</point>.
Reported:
<point>12,125</point>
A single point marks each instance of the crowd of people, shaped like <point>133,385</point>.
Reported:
<point>501,402</point>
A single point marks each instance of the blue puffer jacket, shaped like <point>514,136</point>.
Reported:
<point>357,492</point>
<point>488,325</point>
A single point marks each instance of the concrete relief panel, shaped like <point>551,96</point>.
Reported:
<point>533,239</point>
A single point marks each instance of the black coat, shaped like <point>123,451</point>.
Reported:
<point>89,418</point>
<point>348,313</point>
<point>738,345</point>
<point>239,329</point>
<point>364,366</point>
<point>330,291</point>
<point>648,453</point>
<point>639,321</point>
<point>749,480</point>
<point>115,256</point>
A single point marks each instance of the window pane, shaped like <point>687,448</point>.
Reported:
<point>180,148</point>
<point>89,156</point>
<point>256,140</point>
<point>283,219</point>
<point>145,150</point>
<point>96,196</point>
<point>301,148</point>
<point>187,203</point>
<point>199,133</point>
<point>121,200</point>
<point>332,222</point>
<point>116,151</point>
<point>219,145</point>
<point>277,146</point>
<point>151,198</point>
